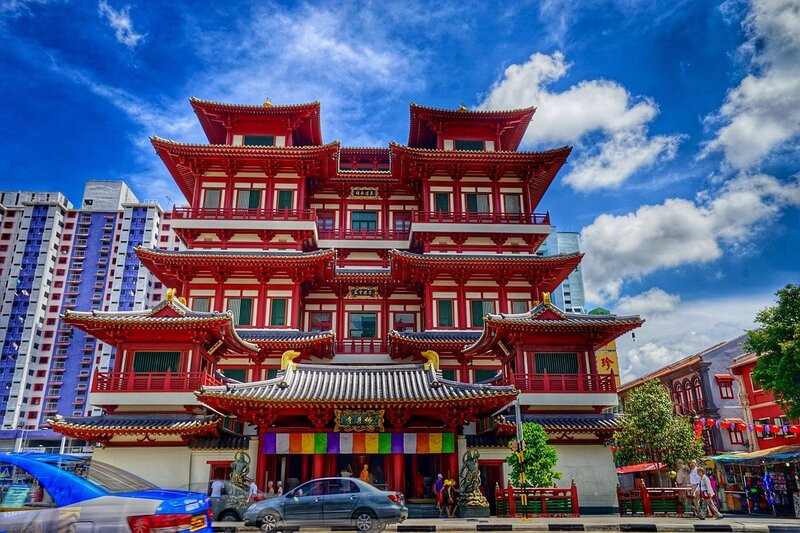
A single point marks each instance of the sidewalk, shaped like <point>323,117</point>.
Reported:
<point>585,523</point>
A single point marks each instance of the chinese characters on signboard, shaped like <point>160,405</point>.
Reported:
<point>358,421</point>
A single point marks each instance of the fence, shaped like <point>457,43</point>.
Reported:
<point>651,501</point>
<point>537,501</point>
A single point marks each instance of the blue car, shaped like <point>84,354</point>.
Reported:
<point>49,492</point>
<point>329,502</point>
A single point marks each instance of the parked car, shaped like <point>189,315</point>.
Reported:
<point>231,505</point>
<point>49,492</point>
<point>333,501</point>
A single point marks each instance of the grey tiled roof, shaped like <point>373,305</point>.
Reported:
<point>604,421</point>
<point>438,335</point>
<point>307,383</point>
<point>255,335</point>
<point>159,421</point>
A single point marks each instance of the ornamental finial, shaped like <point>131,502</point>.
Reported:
<point>170,294</point>
<point>182,300</point>
<point>462,108</point>
<point>433,359</point>
<point>267,103</point>
<point>546,298</point>
<point>287,358</point>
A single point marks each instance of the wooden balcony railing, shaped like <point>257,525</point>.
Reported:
<point>367,234</point>
<point>362,346</point>
<point>449,217</point>
<point>203,213</point>
<point>151,381</point>
<point>563,383</point>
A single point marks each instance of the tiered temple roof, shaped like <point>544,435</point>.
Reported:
<point>104,428</point>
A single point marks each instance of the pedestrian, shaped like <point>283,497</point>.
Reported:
<point>217,486</point>
<point>438,489</point>
<point>347,471</point>
<point>694,481</point>
<point>279,492</point>
<point>682,483</point>
<point>707,497</point>
<point>252,492</point>
<point>450,497</point>
<point>365,474</point>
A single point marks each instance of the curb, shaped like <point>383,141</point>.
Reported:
<point>677,527</point>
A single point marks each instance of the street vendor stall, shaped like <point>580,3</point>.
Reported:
<point>761,482</point>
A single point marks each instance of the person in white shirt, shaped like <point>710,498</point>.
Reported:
<point>217,486</point>
<point>279,492</point>
<point>252,492</point>
<point>707,497</point>
<point>694,481</point>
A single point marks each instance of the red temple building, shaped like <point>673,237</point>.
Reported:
<point>344,306</point>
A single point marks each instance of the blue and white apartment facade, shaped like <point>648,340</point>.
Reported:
<point>54,257</point>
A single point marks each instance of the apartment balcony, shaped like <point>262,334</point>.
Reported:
<point>148,388</point>
<point>362,238</point>
<point>564,389</point>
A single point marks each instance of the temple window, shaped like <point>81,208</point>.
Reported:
<point>362,325</point>
<point>441,202</point>
<point>556,362</point>
<point>242,310</point>
<point>463,144</point>
<point>239,374</point>
<point>325,220</point>
<point>259,140</point>
<point>248,199</point>
<point>477,203</point>
<point>736,436</point>
<point>404,321</point>
<point>202,305</point>
<point>365,220</point>
<point>272,373</point>
<point>445,313</point>
<point>512,204</point>
<point>320,321</point>
<point>285,200</point>
<point>156,361</point>
<point>449,373</point>
<point>479,309</point>
<point>519,306</point>
<point>402,221</point>
<point>483,376</point>
<point>211,198</point>
<point>277,315</point>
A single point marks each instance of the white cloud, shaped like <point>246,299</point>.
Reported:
<point>678,231</point>
<point>120,21</point>
<point>654,301</point>
<point>690,327</point>
<point>589,107</point>
<point>763,111</point>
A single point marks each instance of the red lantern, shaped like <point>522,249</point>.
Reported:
<point>775,430</point>
<point>759,428</point>
<point>725,425</point>
<point>794,429</point>
<point>613,448</point>
<point>709,422</point>
<point>741,427</point>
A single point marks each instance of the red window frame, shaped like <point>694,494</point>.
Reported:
<point>402,326</point>
<point>725,389</point>
<point>736,436</point>
<point>320,325</point>
<point>326,220</point>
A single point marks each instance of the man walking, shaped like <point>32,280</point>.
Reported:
<point>707,497</point>
<point>694,481</point>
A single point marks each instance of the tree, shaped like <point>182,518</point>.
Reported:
<point>539,459</point>
<point>777,345</point>
<point>652,432</point>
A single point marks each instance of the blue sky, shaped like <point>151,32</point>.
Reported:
<point>685,118</point>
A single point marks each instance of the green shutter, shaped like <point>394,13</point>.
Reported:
<point>156,361</point>
<point>484,375</point>
<point>477,313</point>
<point>200,305</point>
<point>255,197</point>
<point>242,310</point>
<point>445,313</point>
<point>556,362</point>
<point>259,140</point>
<point>239,374</point>
<point>472,203</point>
<point>278,312</point>
<point>284,199</point>
<point>441,202</point>
<point>449,374</point>
<point>272,373</point>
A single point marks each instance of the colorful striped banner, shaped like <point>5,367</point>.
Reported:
<point>347,443</point>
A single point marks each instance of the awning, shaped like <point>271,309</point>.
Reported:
<point>641,467</point>
<point>770,455</point>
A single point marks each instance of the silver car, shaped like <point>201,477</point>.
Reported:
<point>333,501</point>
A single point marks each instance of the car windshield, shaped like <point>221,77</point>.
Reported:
<point>107,477</point>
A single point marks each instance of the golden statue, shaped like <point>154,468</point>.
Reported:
<point>287,358</point>
<point>546,298</point>
<point>433,359</point>
<point>171,294</point>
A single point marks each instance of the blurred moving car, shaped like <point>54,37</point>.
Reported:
<point>335,501</point>
<point>49,492</point>
<point>230,505</point>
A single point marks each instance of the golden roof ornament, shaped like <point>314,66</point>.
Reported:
<point>433,359</point>
<point>546,298</point>
<point>182,300</point>
<point>287,359</point>
<point>462,108</point>
<point>267,103</point>
<point>170,294</point>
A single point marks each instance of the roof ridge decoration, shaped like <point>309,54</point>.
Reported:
<point>193,100</point>
<point>454,153</point>
<point>485,112</point>
<point>157,140</point>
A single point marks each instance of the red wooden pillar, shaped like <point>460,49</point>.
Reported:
<point>503,296</point>
<point>293,320</point>
<point>261,306</point>
<point>228,204</point>
<point>428,307</point>
<point>399,481</point>
<point>261,462</point>
<point>461,303</point>
<point>305,468</point>
<point>526,198</point>
<point>496,198</point>
<point>576,510</point>
<point>453,465</point>
<point>457,195</point>
<point>592,361</point>
<point>219,296</point>
<point>319,465</point>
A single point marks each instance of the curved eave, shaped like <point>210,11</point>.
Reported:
<point>79,431</point>
<point>401,338</point>
<point>556,155</point>
<point>155,255</point>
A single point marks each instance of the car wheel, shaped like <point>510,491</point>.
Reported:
<point>365,520</point>
<point>228,516</point>
<point>269,523</point>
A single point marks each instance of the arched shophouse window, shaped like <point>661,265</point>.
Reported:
<point>698,394</point>
<point>678,398</point>
<point>687,396</point>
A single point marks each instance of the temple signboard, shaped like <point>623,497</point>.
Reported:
<point>363,293</point>
<point>358,421</point>
<point>364,192</point>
